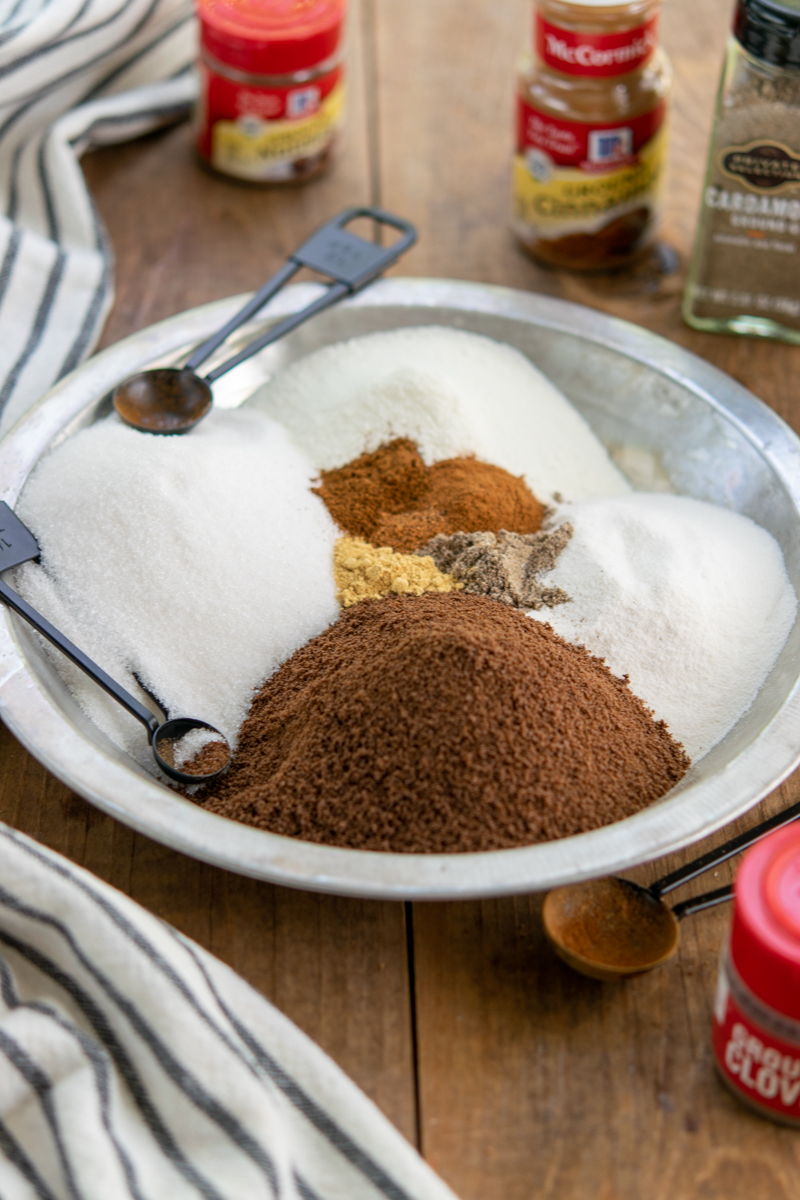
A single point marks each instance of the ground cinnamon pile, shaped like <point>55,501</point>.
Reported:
<point>391,498</point>
<point>443,723</point>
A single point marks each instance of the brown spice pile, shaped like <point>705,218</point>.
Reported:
<point>504,566</point>
<point>390,497</point>
<point>214,756</point>
<point>443,723</point>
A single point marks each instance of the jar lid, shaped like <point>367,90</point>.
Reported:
<point>765,938</point>
<point>271,37</point>
<point>769,30</point>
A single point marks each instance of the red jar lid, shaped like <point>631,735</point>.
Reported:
<point>765,938</point>
<point>271,37</point>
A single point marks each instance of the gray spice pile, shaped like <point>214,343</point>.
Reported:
<point>505,566</point>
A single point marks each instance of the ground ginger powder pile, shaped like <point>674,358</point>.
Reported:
<point>391,498</point>
<point>439,724</point>
<point>364,572</point>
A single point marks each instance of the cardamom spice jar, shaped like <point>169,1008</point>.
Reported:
<point>745,272</point>
<point>591,133</point>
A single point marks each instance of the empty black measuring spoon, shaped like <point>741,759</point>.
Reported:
<point>173,399</point>
<point>18,545</point>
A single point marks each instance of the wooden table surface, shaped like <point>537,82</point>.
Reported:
<point>514,1077</point>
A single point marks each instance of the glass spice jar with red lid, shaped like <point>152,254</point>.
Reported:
<point>271,86</point>
<point>756,1022</point>
<point>591,133</point>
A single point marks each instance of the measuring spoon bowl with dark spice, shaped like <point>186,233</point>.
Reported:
<point>174,399</point>
<point>612,928</point>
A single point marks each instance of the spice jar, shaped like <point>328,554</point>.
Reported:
<point>756,1023</point>
<point>271,86</point>
<point>745,271</point>
<point>591,133</point>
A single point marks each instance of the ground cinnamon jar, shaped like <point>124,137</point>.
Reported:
<point>756,1023</point>
<point>271,86</point>
<point>591,133</point>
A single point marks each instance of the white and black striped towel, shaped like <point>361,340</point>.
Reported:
<point>135,1066</point>
<point>73,73</point>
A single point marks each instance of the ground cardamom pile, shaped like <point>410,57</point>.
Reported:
<point>391,498</point>
<point>443,724</point>
<point>504,566</point>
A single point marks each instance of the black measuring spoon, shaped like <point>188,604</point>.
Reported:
<point>18,545</point>
<point>174,399</point>
<point>610,928</point>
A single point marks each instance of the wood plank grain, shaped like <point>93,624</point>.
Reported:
<point>538,1084</point>
<point>445,104</point>
<point>337,967</point>
<point>183,236</point>
<point>533,1082</point>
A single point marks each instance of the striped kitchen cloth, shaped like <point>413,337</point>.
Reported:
<point>73,74</point>
<point>135,1066</point>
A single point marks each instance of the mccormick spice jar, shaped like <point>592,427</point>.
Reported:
<point>745,272</point>
<point>271,86</point>
<point>756,1024</point>
<point>591,133</point>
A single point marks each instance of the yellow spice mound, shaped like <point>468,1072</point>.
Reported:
<point>364,572</point>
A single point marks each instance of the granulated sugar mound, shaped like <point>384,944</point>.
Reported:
<point>443,723</point>
<point>454,393</point>
<point>198,563</point>
<point>691,601</point>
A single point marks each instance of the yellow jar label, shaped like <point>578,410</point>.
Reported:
<point>253,148</point>
<point>553,198</point>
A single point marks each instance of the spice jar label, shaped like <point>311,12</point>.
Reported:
<point>598,55</point>
<point>762,164</point>
<point>254,132</point>
<point>573,174</point>
<point>751,223</point>
<point>760,1067</point>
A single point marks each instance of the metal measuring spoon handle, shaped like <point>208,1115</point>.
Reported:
<point>722,853</point>
<point>349,261</point>
<point>173,399</point>
<point>18,545</point>
<point>701,903</point>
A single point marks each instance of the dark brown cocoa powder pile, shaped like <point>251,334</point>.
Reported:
<point>439,724</point>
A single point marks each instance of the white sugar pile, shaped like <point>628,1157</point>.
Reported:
<point>197,563</point>
<point>691,601</point>
<point>451,392</point>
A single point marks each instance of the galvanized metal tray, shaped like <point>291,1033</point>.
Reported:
<point>711,437</point>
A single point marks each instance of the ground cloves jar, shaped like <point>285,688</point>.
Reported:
<point>756,1022</point>
<point>271,86</point>
<point>591,133</point>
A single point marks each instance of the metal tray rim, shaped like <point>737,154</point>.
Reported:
<point>140,802</point>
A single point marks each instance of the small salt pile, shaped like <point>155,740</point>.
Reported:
<point>689,600</point>
<point>454,393</point>
<point>196,563</point>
